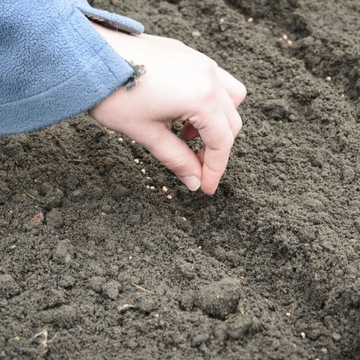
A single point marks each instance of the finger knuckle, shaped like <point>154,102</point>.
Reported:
<point>239,94</point>
<point>206,93</point>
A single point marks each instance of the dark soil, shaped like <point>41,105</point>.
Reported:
<point>95,264</point>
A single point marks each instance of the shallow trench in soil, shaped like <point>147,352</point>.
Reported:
<point>96,261</point>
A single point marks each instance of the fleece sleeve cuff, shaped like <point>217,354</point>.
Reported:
<point>54,64</point>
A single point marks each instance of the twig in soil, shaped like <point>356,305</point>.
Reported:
<point>140,288</point>
<point>34,198</point>
<point>44,342</point>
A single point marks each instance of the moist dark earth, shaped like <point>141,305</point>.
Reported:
<point>96,262</point>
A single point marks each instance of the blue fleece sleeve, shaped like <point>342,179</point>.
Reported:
<point>53,63</point>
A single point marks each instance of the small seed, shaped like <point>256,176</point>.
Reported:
<point>164,189</point>
<point>152,187</point>
<point>289,42</point>
<point>284,37</point>
<point>120,139</point>
<point>143,171</point>
<point>328,78</point>
<point>169,197</point>
<point>250,20</point>
<point>136,161</point>
<point>196,34</point>
<point>184,218</point>
<point>288,314</point>
<point>133,141</point>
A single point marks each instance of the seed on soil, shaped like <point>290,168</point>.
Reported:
<point>143,171</point>
<point>289,42</point>
<point>152,187</point>
<point>288,314</point>
<point>169,197</point>
<point>328,78</point>
<point>120,139</point>
<point>250,20</point>
<point>302,334</point>
<point>133,141</point>
<point>184,218</point>
<point>284,37</point>
<point>164,189</point>
<point>136,161</point>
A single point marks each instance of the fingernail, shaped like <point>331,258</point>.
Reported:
<point>192,182</point>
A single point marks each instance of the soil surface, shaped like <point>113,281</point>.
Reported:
<point>97,263</point>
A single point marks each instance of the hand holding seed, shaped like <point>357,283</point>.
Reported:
<point>179,84</point>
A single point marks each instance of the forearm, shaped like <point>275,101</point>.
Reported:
<point>54,64</point>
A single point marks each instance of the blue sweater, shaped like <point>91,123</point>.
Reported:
<point>53,63</point>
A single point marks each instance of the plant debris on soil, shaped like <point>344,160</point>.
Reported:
<point>101,260</point>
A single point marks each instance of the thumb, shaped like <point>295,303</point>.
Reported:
<point>176,156</point>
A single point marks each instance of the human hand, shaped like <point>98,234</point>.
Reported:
<point>179,84</point>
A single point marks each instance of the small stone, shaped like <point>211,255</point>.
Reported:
<point>196,34</point>
<point>37,219</point>
<point>219,299</point>
<point>63,251</point>
<point>111,290</point>
<point>336,336</point>
<point>122,308</point>
<point>200,339</point>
